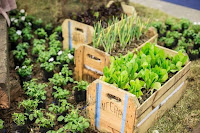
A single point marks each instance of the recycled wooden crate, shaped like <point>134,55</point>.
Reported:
<point>90,61</point>
<point>76,34</point>
<point>114,110</point>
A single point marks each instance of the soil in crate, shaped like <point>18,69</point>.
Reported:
<point>93,15</point>
<point>134,44</point>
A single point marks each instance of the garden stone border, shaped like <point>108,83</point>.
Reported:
<point>4,66</point>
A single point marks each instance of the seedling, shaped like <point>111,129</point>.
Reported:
<point>19,118</point>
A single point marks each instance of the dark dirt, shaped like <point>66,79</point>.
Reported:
<point>95,14</point>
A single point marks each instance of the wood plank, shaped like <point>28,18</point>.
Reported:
<point>80,33</point>
<point>157,102</point>
<point>79,63</point>
<point>157,114</point>
<point>162,90</point>
<point>95,53</point>
<point>112,107</point>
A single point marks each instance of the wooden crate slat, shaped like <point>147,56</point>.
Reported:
<point>158,113</point>
<point>157,102</point>
<point>76,34</point>
<point>79,63</point>
<point>95,53</point>
<point>112,107</point>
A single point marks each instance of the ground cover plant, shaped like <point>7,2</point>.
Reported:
<point>46,78</point>
<point>145,72</point>
<point>120,38</point>
<point>179,35</point>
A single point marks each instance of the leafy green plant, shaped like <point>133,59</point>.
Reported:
<point>185,23</point>
<point>176,27</point>
<point>38,22</point>
<point>58,29</point>
<point>41,33</point>
<point>197,39</point>
<point>169,41</point>
<point>194,52</point>
<point>27,62</point>
<point>1,124</point>
<point>25,71</point>
<point>49,26</point>
<point>75,123</point>
<point>189,33</point>
<point>60,93</point>
<point>135,87</point>
<point>63,56</point>
<point>80,85</point>
<point>49,66</point>
<point>26,33</point>
<point>36,114</point>
<point>174,34</point>
<point>47,121</point>
<point>22,46</point>
<point>36,93</point>
<point>19,54</point>
<point>178,61</point>
<point>29,104</point>
<point>44,56</point>
<point>62,107</point>
<point>14,36</point>
<point>19,118</point>
<point>65,71</point>
<point>35,90</point>
<point>60,80</point>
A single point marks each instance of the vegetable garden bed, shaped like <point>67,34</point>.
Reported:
<point>90,61</point>
<point>112,109</point>
<point>76,33</point>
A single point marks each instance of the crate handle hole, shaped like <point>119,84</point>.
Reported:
<point>93,57</point>
<point>114,97</point>
<point>80,30</point>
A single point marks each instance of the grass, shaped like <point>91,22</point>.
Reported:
<point>185,115</point>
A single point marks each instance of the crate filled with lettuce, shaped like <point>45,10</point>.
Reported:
<point>136,89</point>
<point>119,38</point>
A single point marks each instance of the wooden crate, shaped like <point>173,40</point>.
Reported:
<point>76,34</point>
<point>90,61</point>
<point>114,110</point>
